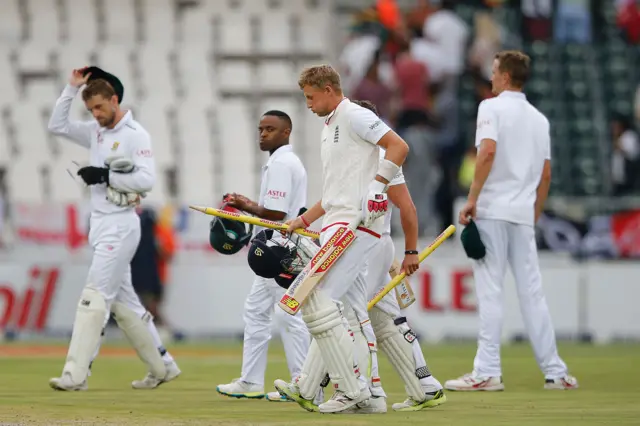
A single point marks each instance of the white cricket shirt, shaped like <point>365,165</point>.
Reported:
<point>128,138</point>
<point>284,184</point>
<point>350,158</point>
<point>523,143</point>
<point>398,179</point>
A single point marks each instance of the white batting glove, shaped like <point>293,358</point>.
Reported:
<point>122,199</point>
<point>375,204</point>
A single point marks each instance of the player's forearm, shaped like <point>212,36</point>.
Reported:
<point>396,152</point>
<point>409,222</point>
<point>541,196</point>
<point>314,213</point>
<point>264,213</point>
<point>61,125</point>
<point>484,162</point>
<point>140,180</point>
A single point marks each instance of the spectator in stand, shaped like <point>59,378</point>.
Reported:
<point>373,89</point>
<point>625,160</point>
<point>536,19</point>
<point>413,123</point>
<point>447,30</point>
<point>573,22</point>
<point>486,43</point>
<point>636,107</point>
<point>629,21</point>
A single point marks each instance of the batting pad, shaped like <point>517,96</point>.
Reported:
<point>366,351</point>
<point>135,328</point>
<point>324,320</point>
<point>314,371</point>
<point>91,315</point>
<point>399,350</point>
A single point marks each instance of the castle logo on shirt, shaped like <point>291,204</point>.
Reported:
<point>276,194</point>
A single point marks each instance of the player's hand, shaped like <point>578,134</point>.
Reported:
<point>238,201</point>
<point>410,264</point>
<point>294,224</point>
<point>467,212</point>
<point>77,79</point>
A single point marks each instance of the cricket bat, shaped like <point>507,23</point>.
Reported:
<point>404,292</point>
<point>312,274</point>
<point>422,256</point>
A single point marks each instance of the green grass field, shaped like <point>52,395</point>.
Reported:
<point>608,395</point>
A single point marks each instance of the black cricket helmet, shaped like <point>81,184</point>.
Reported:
<point>281,258</point>
<point>228,236</point>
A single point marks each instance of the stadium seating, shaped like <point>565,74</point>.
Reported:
<point>197,75</point>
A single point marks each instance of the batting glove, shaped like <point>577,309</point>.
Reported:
<point>375,204</point>
<point>92,175</point>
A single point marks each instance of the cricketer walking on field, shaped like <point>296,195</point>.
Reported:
<point>121,171</point>
<point>354,182</point>
<point>506,198</point>
<point>283,192</point>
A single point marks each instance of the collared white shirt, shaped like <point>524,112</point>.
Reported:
<point>350,158</point>
<point>284,183</point>
<point>523,143</point>
<point>128,139</point>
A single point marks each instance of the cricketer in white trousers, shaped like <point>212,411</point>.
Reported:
<point>513,244</point>
<point>258,310</point>
<point>114,236</point>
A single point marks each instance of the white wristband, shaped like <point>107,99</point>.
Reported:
<point>377,187</point>
<point>388,169</point>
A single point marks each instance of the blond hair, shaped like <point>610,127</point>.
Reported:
<point>516,64</point>
<point>98,87</point>
<point>320,76</point>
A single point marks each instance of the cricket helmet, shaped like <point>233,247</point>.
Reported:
<point>281,258</point>
<point>228,236</point>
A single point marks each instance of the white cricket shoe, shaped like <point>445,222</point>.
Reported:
<point>339,402</point>
<point>239,389</point>
<point>277,397</point>
<point>152,382</point>
<point>65,383</point>
<point>373,405</point>
<point>292,392</point>
<point>472,382</point>
<point>433,399</point>
<point>566,382</point>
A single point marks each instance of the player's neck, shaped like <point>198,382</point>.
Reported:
<point>119,115</point>
<point>511,89</point>
<point>277,148</point>
<point>336,101</point>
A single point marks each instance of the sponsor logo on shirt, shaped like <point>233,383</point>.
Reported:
<point>376,124</point>
<point>483,123</point>
<point>276,194</point>
<point>145,153</point>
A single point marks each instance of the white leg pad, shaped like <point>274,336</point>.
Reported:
<point>324,320</point>
<point>366,351</point>
<point>135,328</point>
<point>314,373</point>
<point>91,316</point>
<point>399,349</point>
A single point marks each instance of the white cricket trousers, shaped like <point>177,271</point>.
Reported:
<point>513,244</point>
<point>114,238</point>
<point>377,275</point>
<point>258,311</point>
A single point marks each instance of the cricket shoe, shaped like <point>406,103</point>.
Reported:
<point>472,382</point>
<point>339,402</point>
<point>433,400</point>
<point>373,405</point>
<point>561,383</point>
<point>292,392</point>
<point>240,389</point>
<point>65,383</point>
<point>151,382</point>
<point>276,397</point>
